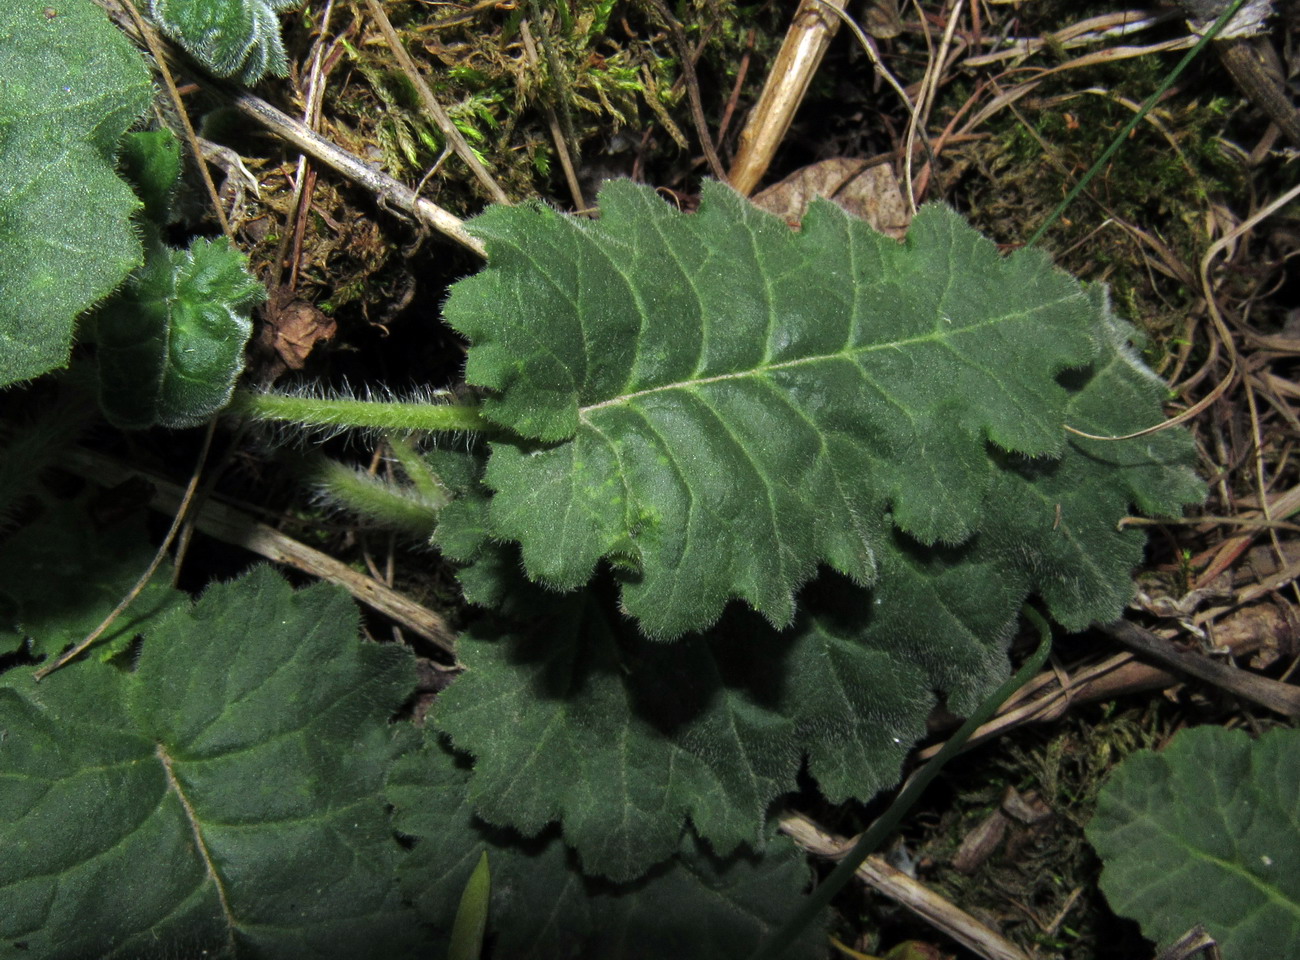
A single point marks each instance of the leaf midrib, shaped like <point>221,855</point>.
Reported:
<point>933,336</point>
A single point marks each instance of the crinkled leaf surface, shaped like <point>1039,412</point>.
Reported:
<point>579,718</point>
<point>717,404</point>
<point>72,86</point>
<point>171,342</point>
<point>229,37</point>
<point>1207,831</point>
<point>694,906</point>
<point>60,575</point>
<point>224,798</point>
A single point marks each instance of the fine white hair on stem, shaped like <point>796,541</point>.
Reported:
<point>369,412</point>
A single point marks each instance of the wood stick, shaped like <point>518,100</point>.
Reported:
<point>229,525</point>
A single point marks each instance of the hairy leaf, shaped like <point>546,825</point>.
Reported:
<point>581,719</point>
<point>695,906</point>
<point>72,86</point>
<point>1206,831</point>
<point>623,739</point>
<point>151,162</point>
<point>716,404</point>
<point>229,37</point>
<point>223,798</point>
<point>171,343</point>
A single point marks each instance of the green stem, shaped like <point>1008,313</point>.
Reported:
<point>1122,136</point>
<point>879,831</point>
<point>339,414</point>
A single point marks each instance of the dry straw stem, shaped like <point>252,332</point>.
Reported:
<point>792,71</point>
<point>389,191</point>
<point>431,105</point>
<point>1050,694</point>
<point>232,526</point>
<point>898,886</point>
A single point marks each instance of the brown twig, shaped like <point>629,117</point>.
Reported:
<point>692,87</point>
<point>1280,697</point>
<point>232,526</point>
<point>179,510</point>
<point>553,121</point>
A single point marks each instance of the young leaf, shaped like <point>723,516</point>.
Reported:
<point>151,162</point>
<point>695,907</point>
<point>221,799</point>
<point>228,37</point>
<point>171,343</point>
<point>1206,832</point>
<point>72,86</point>
<point>717,404</point>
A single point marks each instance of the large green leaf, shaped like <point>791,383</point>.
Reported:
<point>695,906</point>
<point>1207,831</point>
<point>221,798</point>
<point>623,739</point>
<point>716,404</point>
<point>72,86</point>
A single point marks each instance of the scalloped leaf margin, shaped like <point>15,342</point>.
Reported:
<point>714,404</point>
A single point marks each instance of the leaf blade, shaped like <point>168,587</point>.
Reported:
<point>706,390</point>
<point>1204,832</point>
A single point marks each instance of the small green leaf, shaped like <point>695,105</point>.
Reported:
<point>151,161</point>
<point>72,86</point>
<point>222,799</point>
<point>171,343</point>
<point>1207,831</point>
<point>228,37</point>
<point>695,907</point>
<point>472,915</point>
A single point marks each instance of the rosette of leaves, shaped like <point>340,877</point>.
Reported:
<point>219,794</point>
<point>684,410</point>
<point>1206,832</point>
<point>72,86</point>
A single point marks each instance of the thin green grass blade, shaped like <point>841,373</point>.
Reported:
<point>471,917</point>
<point>1129,127</point>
